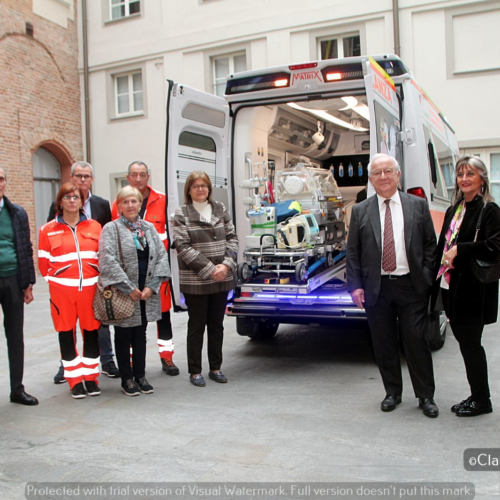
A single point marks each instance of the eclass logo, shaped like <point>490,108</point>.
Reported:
<point>307,75</point>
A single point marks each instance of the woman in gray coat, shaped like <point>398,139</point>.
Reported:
<point>146,267</point>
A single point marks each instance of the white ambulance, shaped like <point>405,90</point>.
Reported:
<point>332,114</point>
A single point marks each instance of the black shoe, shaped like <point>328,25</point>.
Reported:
<point>130,388</point>
<point>168,366</point>
<point>429,408</point>
<point>78,391</point>
<point>465,402</point>
<point>110,370</point>
<point>217,377</point>
<point>23,398</point>
<point>197,380</point>
<point>59,378</point>
<point>144,386</point>
<point>474,408</point>
<point>92,388</point>
<point>390,402</point>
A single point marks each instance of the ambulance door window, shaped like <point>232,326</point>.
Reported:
<point>198,152</point>
<point>446,162</point>
<point>440,177</point>
<point>495,175</point>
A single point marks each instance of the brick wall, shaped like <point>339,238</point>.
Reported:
<point>39,96</point>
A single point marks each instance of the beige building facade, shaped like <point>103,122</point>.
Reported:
<point>135,46</point>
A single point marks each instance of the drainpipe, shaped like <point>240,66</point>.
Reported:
<point>395,18</point>
<point>88,151</point>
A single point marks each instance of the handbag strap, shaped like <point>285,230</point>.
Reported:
<point>122,263</point>
<point>478,225</point>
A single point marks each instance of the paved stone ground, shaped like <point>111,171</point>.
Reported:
<point>302,407</point>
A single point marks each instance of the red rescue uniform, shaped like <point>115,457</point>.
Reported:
<point>67,259</point>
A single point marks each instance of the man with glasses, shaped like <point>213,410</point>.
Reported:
<point>97,208</point>
<point>390,260</point>
<point>17,277</point>
<point>153,209</point>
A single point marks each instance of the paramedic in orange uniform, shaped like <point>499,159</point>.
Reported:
<point>153,210</point>
<point>67,259</point>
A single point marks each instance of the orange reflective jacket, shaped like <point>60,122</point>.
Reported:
<point>68,256</point>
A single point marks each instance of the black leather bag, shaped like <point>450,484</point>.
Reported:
<point>485,271</point>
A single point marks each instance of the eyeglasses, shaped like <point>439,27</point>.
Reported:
<point>142,175</point>
<point>386,171</point>
<point>83,177</point>
<point>199,186</point>
<point>73,197</point>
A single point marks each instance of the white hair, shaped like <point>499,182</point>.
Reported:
<point>382,155</point>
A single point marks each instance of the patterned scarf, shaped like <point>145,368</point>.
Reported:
<point>137,232</point>
<point>451,239</point>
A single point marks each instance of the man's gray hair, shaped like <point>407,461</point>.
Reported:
<point>141,164</point>
<point>82,164</point>
<point>382,155</point>
<point>4,172</point>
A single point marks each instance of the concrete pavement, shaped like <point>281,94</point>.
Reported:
<point>302,407</point>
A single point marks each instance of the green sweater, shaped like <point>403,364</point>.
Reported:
<point>8,255</point>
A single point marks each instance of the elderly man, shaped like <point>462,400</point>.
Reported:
<point>153,210</point>
<point>97,208</point>
<point>390,259</point>
<point>17,277</point>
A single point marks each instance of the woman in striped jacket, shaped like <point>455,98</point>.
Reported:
<point>207,248</point>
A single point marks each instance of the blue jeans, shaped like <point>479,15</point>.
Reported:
<point>105,345</point>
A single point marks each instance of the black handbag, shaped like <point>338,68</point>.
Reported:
<point>485,271</point>
<point>109,303</point>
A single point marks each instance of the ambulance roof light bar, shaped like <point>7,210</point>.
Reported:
<point>255,83</point>
<point>296,67</point>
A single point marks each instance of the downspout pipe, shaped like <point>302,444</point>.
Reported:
<point>395,19</point>
<point>88,150</point>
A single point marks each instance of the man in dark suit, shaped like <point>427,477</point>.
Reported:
<point>17,277</point>
<point>97,208</point>
<point>390,260</point>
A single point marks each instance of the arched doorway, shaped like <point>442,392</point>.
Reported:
<point>47,180</point>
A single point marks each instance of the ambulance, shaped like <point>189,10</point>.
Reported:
<point>331,115</point>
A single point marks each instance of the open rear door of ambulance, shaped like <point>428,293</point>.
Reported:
<point>385,117</point>
<point>196,139</point>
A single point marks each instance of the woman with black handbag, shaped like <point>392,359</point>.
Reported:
<point>133,259</point>
<point>471,232</point>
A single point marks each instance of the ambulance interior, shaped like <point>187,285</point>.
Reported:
<point>329,133</point>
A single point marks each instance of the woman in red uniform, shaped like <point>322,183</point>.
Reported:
<point>67,259</point>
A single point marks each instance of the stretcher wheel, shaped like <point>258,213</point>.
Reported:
<point>329,259</point>
<point>300,272</point>
<point>244,271</point>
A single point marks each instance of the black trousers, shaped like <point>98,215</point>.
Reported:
<point>132,337</point>
<point>398,302</point>
<point>12,300</point>
<point>205,311</point>
<point>469,337</point>
<point>164,326</point>
<point>67,343</point>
